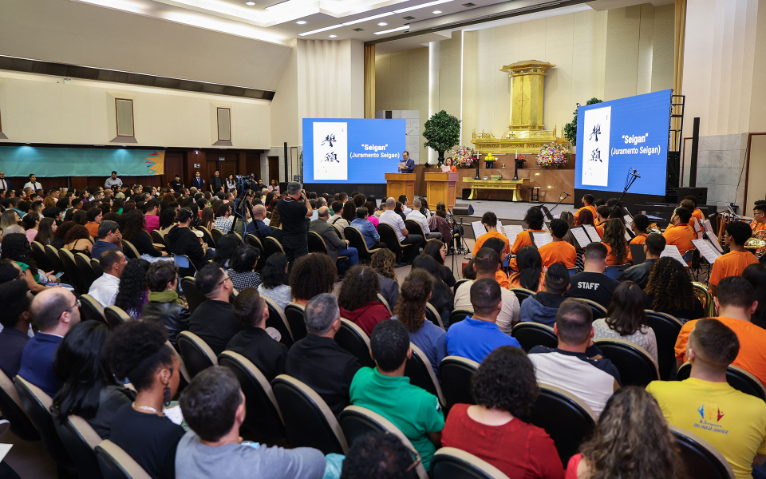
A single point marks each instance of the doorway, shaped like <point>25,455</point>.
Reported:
<point>274,169</point>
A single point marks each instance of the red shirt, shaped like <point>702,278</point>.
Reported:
<point>367,316</point>
<point>518,449</point>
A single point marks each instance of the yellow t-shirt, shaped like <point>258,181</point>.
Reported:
<point>731,421</point>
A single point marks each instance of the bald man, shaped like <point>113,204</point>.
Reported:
<point>335,245</point>
<point>55,311</point>
<point>261,229</point>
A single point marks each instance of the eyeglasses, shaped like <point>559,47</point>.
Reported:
<point>224,280</point>
<point>75,305</point>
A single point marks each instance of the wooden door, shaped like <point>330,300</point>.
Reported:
<point>212,166</point>
<point>227,168</point>
<point>174,165</point>
<point>273,168</point>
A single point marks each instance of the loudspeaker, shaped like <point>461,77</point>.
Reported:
<point>698,192</point>
<point>462,210</point>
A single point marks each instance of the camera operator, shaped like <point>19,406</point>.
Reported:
<point>294,209</point>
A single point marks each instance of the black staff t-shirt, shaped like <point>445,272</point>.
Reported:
<point>597,287</point>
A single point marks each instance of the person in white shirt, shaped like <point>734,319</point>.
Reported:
<point>395,221</point>
<point>105,288</point>
<point>416,215</point>
<point>403,201</point>
<point>32,183</point>
<point>5,184</point>
<point>112,181</point>
<point>486,264</point>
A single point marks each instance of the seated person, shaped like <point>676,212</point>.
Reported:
<point>135,231</point>
<point>242,271</point>
<point>183,241</point>
<point>669,290</point>
<point>105,288</point>
<point>387,391</point>
<point>318,360</point>
<point>55,311</point>
<point>416,215</point>
<point>735,304</point>
<point>274,281</point>
<point>587,204</point>
<point>311,275</point>
<point>602,215</point>
<point>411,312</point>
<point>213,320</point>
<point>718,407</point>
<point>108,238</point>
<point>367,228</point>
<point>489,220</point>
<point>441,295</point>
<point>485,265</point>
<point>335,245</point>
<point>626,319</point>
<point>592,283</point>
<point>617,252</point>
<point>653,245</point>
<point>477,336</point>
<point>567,366</point>
<point>89,389</point>
<point>536,222</point>
<point>378,455</point>
<point>164,305</point>
<point>358,298</point>
<point>639,226</point>
<point>138,351</point>
<point>224,220</point>
<point>505,389</point>
<point>383,262</point>
<point>15,319</point>
<point>396,222</point>
<point>737,259</point>
<point>94,216</point>
<point>530,273</point>
<point>679,233</point>
<point>543,306</point>
<point>558,250</point>
<point>254,342</point>
<point>213,407</point>
<point>500,275</point>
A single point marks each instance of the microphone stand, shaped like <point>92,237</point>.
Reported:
<point>561,200</point>
<point>629,180</point>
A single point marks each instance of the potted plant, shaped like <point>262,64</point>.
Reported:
<point>570,129</point>
<point>442,132</point>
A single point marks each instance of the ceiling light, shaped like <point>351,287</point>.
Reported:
<point>333,36</point>
<point>367,19</point>
<point>423,5</point>
<point>301,22</point>
<point>250,3</point>
<point>382,24</point>
<point>436,12</point>
<point>320,30</point>
<point>383,32</point>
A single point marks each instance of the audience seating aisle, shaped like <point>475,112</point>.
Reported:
<point>328,375</point>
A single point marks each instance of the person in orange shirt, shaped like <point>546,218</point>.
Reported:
<point>531,275</point>
<point>639,226</point>
<point>735,304</point>
<point>759,216</point>
<point>696,212</point>
<point>737,259</point>
<point>489,220</point>
<point>536,221</point>
<point>679,233</point>
<point>94,216</point>
<point>587,204</point>
<point>617,252</point>
<point>499,247</point>
<point>558,250</point>
<point>602,214</point>
<point>452,168</point>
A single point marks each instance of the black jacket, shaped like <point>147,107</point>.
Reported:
<point>638,273</point>
<point>184,241</point>
<point>174,316</point>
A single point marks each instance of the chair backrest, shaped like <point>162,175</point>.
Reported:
<point>614,272</point>
<point>265,417</point>
<point>70,268</point>
<point>353,339</point>
<point>206,236</point>
<point>309,422</point>
<point>737,378</point>
<point>117,464</point>
<point>700,458</point>
<point>193,296</point>
<point>37,404</point>
<point>356,240</point>
<point>418,369</point>
<point>636,366</point>
<point>115,316</point>
<point>130,251</point>
<point>522,294</point>
<point>666,329</point>
<point>452,463</point>
<point>91,310</point>
<point>455,373</point>
<point>272,246</point>
<point>459,284</point>
<point>458,315</point>
<point>572,271</point>
<point>253,241</point>
<point>80,440</point>
<point>85,269</point>
<point>383,300</point>
<point>597,310</point>
<point>414,228</point>
<point>530,334</point>
<point>565,417</point>
<point>196,353</point>
<point>357,422</point>
<point>14,412</point>
<point>316,243</point>
<point>388,236</point>
<point>433,315</point>
<point>38,253</point>
<point>96,265</point>
<point>216,234</point>
<point>53,257</point>
<point>294,315</point>
<point>278,321</point>
<point>158,238</point>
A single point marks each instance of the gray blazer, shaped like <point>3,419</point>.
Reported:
<point>330,237</point>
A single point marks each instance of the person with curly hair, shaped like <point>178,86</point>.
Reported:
<point>274,280</point>
<point>133,294</point>
<point>626,319</point>
<point>614,240</point>
<point>311,275</point>
<point>670,291</point>
<point>358,298</point>
<point>139,352</point>
<point>378,455</point>
<point>242,271</point>
<point>411,312</point>
<point>164,306</point>
<point>58,237</point>
<point>505,390</point>
<point>77,240</point>
<point>383,262</point>
<point>15,247</point>
<point>134,230</point>
<point>632,440</point>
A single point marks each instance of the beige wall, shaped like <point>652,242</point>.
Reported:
<point>43,109</point>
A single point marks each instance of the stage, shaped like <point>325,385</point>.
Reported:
<point>508,212</point>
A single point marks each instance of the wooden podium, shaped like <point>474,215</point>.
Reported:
<point>401,184</point>
<point>441,187</point>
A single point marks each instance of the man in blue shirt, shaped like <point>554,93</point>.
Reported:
<point>55,311</point>
<point>474,338</point>
<point>108,238</point>
<point>370,234</point>
<point>409,165</point>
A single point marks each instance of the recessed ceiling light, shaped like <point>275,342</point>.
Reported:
<point>333,36</point>
<point>382,24</point>
<point>367,19</point>
<point>250,3</point>
<point>422,5</point>
<point>301,22</point>
<point>436,12</point>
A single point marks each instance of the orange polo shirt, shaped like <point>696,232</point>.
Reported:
<point>697,213</point>
<point>558,251</point>
<point>639,239</point>
<point>611,259</point>
<point>490,234</point>
<point>522,239</point>
<point>732,263</point>
<point>681,236</point>
<point>756,227</point>
<point>502,279</point>
<point>752,354</point>
<point>590,207</point>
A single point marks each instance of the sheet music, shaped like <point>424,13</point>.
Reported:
<point>478,229</point>
<point>541,239</point>
<point>499,225</point>
<point>627,236</point>
<point>581,236</point>
<point>511,231</point>
<point>671,251</point>
<point>712,236</point>
<point>707,250</point>
<point>628,221</point>
<point>592,233</point>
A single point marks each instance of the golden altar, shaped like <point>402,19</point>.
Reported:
<point>514,185</point>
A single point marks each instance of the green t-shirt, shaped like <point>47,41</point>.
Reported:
<point>24,267</point>
<point>415,411</point>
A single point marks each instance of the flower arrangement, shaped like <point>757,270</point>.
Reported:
<point>555,155</point>
<point>464,157</point>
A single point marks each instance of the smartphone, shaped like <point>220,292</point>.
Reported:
<point>59,275</point>
<point>507,261</point>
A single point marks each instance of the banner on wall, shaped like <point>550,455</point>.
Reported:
<point>20,161</point>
